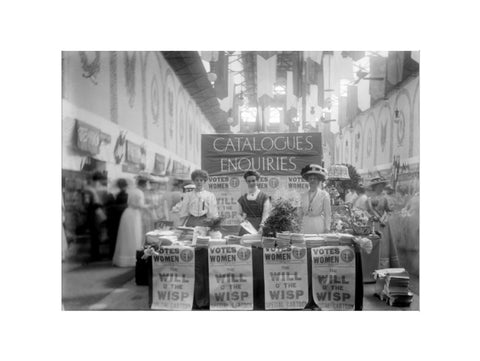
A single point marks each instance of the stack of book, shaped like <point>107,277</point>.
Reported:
<point>314,240</point>
<point>269,242</point>
<point>297,239</point>
<point>392,285</point>
<point>233,239</point>
<point>202,241</point>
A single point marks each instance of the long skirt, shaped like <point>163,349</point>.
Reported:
<point>130,238</point>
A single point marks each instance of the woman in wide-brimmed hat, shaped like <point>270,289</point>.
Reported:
<point>377,204</point>
<point>315,210</point>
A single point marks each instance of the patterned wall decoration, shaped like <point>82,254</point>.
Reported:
<point>181,110</point>
<point>338,150</point>
<point>90,67</point>
<point>170,104</point>
<point>189,143</point>
<point>415,133</point>
<point>347,147</point>
<point>357,146</point>
<point>130,60</point>
<point>384,127</point>
<point>113,87</point>
<point>153,98</point>
<point>401,125</point>
<point>369,141</point>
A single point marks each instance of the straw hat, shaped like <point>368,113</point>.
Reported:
<point>313,169</point>
<point>377,180</point>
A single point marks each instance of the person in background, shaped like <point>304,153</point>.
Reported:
<point>254,206</point>
<point>361,201</point>
<point>377,204</point>
<point>115,211</point>
<point>390,196</point>
<point>131,231</point>
<point>199,205</point>
<point>94,197</point>
<point>173,198</point>
<point>159,187</point>
<point>351,196</point>
<point>315,209</point>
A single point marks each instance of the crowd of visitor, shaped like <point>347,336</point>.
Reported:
<point>121,215</point>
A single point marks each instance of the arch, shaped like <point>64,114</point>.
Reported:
<point>385,130</point>
<point>414,104</point>
<point>402,92</point>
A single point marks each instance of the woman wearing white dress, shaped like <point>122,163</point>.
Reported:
<point>315,210</point>
<point>130,231</point>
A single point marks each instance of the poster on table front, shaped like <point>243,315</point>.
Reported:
<point>231,277</point>
<point>278,157</point>
<point>173,278</point>
<point>286,278</point>
<point>333,278</point>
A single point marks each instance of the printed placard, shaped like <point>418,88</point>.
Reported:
<point>231,277</point>
<point>333,277</point>
<point>173,278</point>
<point>286,278</point>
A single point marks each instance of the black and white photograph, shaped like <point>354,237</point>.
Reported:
<point>212,180</point>
<point>241,180</point>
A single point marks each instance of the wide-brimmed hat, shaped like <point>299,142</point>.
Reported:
<point>377,180</point>
<point>158,179</point>
<point>189,186</point>
<point>313,169</point>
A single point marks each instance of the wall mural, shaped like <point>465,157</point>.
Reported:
<point>357,142</point>
<point>170,105</point>
<point>130,77</point>
<point>90,68</point>
<point>384,130</point>
<point>154,100</point>
<point>401,123</point>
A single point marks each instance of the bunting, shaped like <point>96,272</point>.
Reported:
<point>221,69</point>
<point>377,70</point>
<point>352,102</point>
<point>226,103</point>
<point>266,76</point>
<point>394,69</point>
<point>297,74</point>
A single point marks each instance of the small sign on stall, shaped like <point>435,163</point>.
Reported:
<point>333,277</point>
<point>286,278</point>
<point>231,277</point>
<point>173,278</point>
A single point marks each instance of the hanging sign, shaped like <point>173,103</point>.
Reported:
<point>231,277</point>
<point>88,138</point>
<point>286,278</point>
<point>159,165</point>
<point>269,153</point>
<point>333,277</point>
<point>228,189</point>
<point>173,278</point>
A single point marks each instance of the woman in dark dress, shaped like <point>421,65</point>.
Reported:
<point>254,206</point>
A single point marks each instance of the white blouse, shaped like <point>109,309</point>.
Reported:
<point>199,204</point>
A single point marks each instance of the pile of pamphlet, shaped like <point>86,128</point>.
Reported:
<point>392,285</point>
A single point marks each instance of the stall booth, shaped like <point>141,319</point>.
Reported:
<point>324,273</point>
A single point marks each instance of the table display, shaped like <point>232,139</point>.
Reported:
<point>250,276</point>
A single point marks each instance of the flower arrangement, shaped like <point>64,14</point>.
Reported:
<point>283,218</point>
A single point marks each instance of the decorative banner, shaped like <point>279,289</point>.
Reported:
<point>333,277</point>
<point>133,153</point>
<point>286,278</point>
<point>88,138</point>
<point>180,171</point>
<point>159,165</point>
<point>173,278</point>
<point>231,277</point>
<point>270,153</point>
<point>228,189</point>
